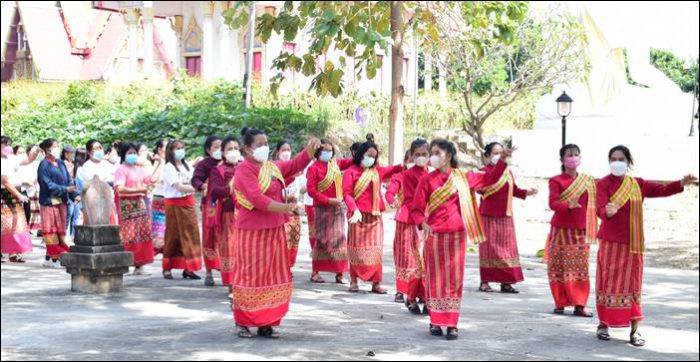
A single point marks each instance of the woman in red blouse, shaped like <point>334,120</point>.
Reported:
<point>362,194</point>
<point>407,257</point>
<point>572,196</point>
<point>620,255</point>
<point>324,185</point>
<point>445,208</point>
<point>262,279</point>
<point>498,257</point>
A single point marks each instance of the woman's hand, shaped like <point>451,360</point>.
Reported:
<point>356,217</point>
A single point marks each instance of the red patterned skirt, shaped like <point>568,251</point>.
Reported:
<point>408,261</point>
<point>365,248</point>
<point>262,280</point>
<point>310,218</point>
<point>225,246</point>
<point>53,226</point>
<point>618,285</point>
<point>499,260</point>
<point>445,255</point>
<point>330,252</point>
<point>293,231</point>
<point>135,229</point>
<point>567,267</point>
<point>158,222</point>
<point>16,238</point>
<point>211,237</point>
<point>182,248</point>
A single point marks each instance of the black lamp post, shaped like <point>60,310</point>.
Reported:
<point>564,109</point>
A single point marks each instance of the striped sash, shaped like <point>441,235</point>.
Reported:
<point>584,183</point>
<point>369,176</point>
<point>630,191</point>
<point>506,178</point>
<point>268,170</point>
<point>333,174</point>
<point>457,183</point>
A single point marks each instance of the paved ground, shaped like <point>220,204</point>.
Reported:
<point>179,320</point>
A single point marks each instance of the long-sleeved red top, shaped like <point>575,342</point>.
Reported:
<point>201,173</point>
<point>497,204</point>
<point>364,201</point>
<point>564,217</point>
<point>246,181</point>
<point>218,188</point>
<point>448,218</point>
<point>315,174</point>
<point>409,182</point>
<point>617,228</point>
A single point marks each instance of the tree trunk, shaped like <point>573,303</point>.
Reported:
<point>396,110</point>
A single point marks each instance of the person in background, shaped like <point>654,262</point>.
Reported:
<point>68,158</point>
<point>158,202</point>
<point>16,239</point>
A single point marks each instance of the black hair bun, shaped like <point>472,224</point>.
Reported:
<point>370,137</point>
<point>244,131</point>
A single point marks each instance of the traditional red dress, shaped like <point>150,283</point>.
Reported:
<point>200,178</point>
<point>620,255</point>
<point>572,232</point>
<point>407,244</point>
<point>362,191</point>
<point>499,260</point>
<point>223,222</point>
<point>262,279</point>
<point>330,249</point>
<point>446,203</point>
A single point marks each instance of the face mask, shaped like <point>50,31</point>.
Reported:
<point>97,155</point>
<point>618,168</point>
<point>132,158</point>
<point>326,156</point>
<point>142,159</point>
<point>495,158</point>
<point>367,162</point>
<point>114,159</point>
<point>6,151</point>
<point>572,162</point>
<point>421,161</point>
<point>410,165</point>
<point>216,155</point>
<point>286,155</point>
<point>180,154</point>
<point>436,161</point>
<point>261,153</point>
<point>56,153</point>
<point>233,157</point>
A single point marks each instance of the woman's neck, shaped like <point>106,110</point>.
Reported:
<point>572,173</point>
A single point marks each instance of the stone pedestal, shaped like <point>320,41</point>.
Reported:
<point>97,262</point>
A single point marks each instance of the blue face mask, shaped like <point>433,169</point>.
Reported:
<point>367,162</point>
<point>326,156</point>
<point>97,155</point>
<point>180,154</point>
<point>131,158</point>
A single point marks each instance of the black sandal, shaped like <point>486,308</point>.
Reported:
<point>452,334</point>
<point>167,274</point>
<point>425,310</point>
<point>268,332</point>
<point>558,311</point>
<point>16,259</point>
<point>316,278</point>
<point>244,332</point>
<point>398,298</point>
<point>603,333</point>
<point>435,331</point>
<point>508,289</point>
<point>190,275</point>
<point>339,279</point>
<point>209,281</point>
<point>485,288</point>
<point>414,308</point>
<point>636,339</point>
<point>582,312</point>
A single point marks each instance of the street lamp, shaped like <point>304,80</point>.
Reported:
<point>564,109</point>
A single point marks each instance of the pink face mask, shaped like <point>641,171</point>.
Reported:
<point>6,151</point>
<point>572,162</point>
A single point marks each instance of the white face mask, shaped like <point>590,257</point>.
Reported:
<point>216,155</point>
<point>618,168</point>
<point>367,162</point>
<point>56,153</point>
<point>261,153</point>
<point>233,157</point>
<point>495,158</point>
<point>285,156</point>
<point>421,161</point>
<point>114,159</point>
<point>142,159</point>
<point>436,161</point>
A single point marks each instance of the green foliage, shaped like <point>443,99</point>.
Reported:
<point>685,76</point>
<point>187,109</point>
<point>630,81</point>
